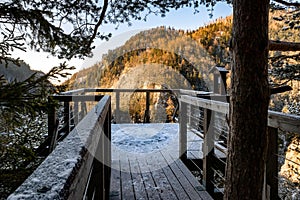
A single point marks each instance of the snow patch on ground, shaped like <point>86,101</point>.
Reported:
<point>144,138</point>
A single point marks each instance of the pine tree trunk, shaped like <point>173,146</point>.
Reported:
<point>249,100</point>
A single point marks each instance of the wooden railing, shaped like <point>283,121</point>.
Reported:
<point>62,120</point>
<point>116,100</point>
<point>208,126</point>
<point>78,167</point>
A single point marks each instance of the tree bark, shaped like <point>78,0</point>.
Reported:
<point>249,100</point>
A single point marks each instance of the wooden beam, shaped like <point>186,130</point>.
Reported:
<point>283,121</point>
<point>183,132</point>
<point>217,106</point>
<point>77,98</point>
<point>283,46</point>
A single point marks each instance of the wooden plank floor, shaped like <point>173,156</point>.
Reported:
<point>133,179</point>
<point>156,175</point>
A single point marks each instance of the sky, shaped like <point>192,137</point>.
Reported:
<point>181,19</point>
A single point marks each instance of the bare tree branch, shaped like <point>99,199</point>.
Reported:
<point>284,57</point>
<point>283,46</point>
<point>295,4</point>
<point>102,16</point>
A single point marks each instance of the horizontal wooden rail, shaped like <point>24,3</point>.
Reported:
<point>77,98</point>
<point>78,166</point>
<point>73,92</point>
<point>193,92</point>
<point>282,121</point>
<point>217,106</point>
<point>86,90</point>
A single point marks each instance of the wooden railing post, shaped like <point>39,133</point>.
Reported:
<point>183,132</point>
<point>99,183</point>
<point>67,115</point>
<point>272,165</point>
<point>117,113</point>
<point>147,111</point>
<point>76,113</point>
<point>52,126</point>
<point>83,110</point>
<point>208,150</point>
<point>189,116</point>
<point>107,153</point>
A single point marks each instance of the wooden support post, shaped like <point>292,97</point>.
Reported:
<point>76,113</point>
<point>183,132</point>
<point>67,116</point>
<point>96,184</point>
<point>223,84</point>
<point>107,153</point>
<point>117,113</point>
<point>216,83</point>
<point>208,150</point>
<point>52,127</point>
<point>147,111</point>
<point>272,165</point>
<point>99,183</point>
<point>189,114</point>
<point>84,108</point>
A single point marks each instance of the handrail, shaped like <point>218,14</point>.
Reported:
<point>282,121</point>
<point>213,105</point>
<point>86,90</point>
<point>78,166</point>
<point>194,92</point>
<point>211,110</point>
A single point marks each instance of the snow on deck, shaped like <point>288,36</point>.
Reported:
<point>144,138</point>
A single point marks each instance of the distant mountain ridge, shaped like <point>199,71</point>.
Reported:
<point>13,72</point>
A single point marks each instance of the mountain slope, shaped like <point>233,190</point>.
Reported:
<point>171,48</point>
<point>12,72</point>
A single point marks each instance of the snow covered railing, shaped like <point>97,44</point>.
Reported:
<point>211,107</point>
<point>78,168</point>
<point>74,110</point>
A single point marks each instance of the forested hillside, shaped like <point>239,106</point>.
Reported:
<point>215,38</point>
<point>192,54</point>
<point>169,47</point>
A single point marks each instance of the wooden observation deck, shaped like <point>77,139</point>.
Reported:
<point>85,162</point>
